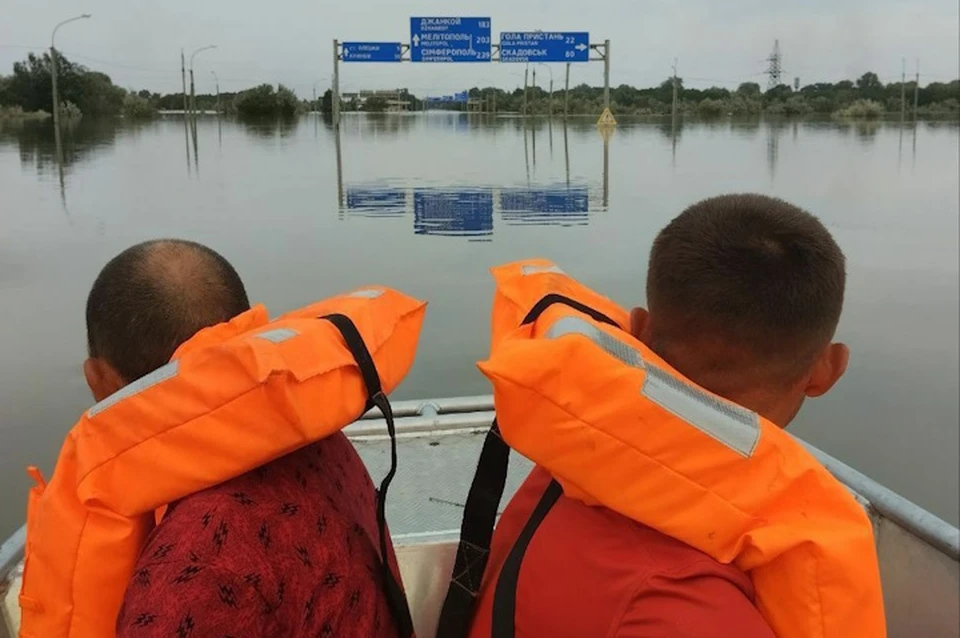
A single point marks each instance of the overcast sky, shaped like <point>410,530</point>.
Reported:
<point>722,42</point>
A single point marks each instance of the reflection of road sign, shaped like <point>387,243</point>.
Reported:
<point>545,206</point>
<point>541,46</point>
<point>373,201</point>
<point>450,39</point>
<point>453,213</point>
<point>606,119</point>
<point>371,52</point>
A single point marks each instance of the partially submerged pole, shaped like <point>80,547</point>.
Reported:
<point>183,76</point>
<point>336,83</point>
<point>606,74</point>
<point>526,74</point>
<point>566,93</point>
<point>916,92</point>
<point>903,89</point>
<point>551,97</point>
<point>674,108</point>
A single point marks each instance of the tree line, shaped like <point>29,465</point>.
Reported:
<point>90,92</point>
<point>83,91</point>
<point>867,93</point>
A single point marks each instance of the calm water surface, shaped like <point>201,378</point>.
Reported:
<point>428,203</point>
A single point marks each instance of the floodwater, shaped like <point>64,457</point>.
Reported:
<point>427,203</point>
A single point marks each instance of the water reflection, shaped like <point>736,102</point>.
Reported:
<point>196,149</point>
<point>376,201</point>
<point>80,139</point>
<point>774,130</point>
<point>867,131</point>
<point>469,210</point>
<point>563,206</point>
<point>464,213</point>
<point>270,128</point>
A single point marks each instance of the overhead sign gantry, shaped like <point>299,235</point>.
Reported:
<point>469,39</point>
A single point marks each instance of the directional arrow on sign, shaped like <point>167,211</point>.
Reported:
<point>346,52</point>
<point>416,40</point>
<point>581,47</point>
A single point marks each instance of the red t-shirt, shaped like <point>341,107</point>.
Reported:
<point>288,550</point>
<point>589,571</point>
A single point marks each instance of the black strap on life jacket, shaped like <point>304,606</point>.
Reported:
<point>375,397</point>
<point>480,515</point>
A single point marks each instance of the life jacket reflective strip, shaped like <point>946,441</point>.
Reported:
<point>234,397</point>
<point>672,456</point>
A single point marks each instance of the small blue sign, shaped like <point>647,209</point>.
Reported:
<point>371,52</point>
<point>450,39</point>
<point>544,46</point>
<point>467,213</point>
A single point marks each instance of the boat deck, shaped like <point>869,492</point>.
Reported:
<point>439,443</point>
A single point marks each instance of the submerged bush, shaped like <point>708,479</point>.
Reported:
<point>70,111</point>
<point>711,108</point>
<point>867,109</point>
<point>17,113</point>
<point>264,101</point>
<point>796,105</point>
<point>137,108</point>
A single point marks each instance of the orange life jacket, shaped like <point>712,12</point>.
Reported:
<point>234,397</point>
<point>617,426</point>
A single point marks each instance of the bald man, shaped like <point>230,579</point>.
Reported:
<point>289,549</point>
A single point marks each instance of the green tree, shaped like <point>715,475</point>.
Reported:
<point>778,93</point>
<point>749,89</point>
<point>287,103</point>
<point>796,105</point>
<point>256,102</point>
<point>870,87</point>
<point>137,107</point>
<point>711,108</point>
<point>869,81</point>
<point>31,86</point>
<point>262,101</point>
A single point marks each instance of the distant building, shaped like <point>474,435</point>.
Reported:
<point>397,99</point>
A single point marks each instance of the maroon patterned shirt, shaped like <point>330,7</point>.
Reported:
<point>290,549</point>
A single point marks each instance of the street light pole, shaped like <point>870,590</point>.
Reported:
<point>53,71</point>
<point>193,98</point>
<point>217,81</point>
<point>549,68</point>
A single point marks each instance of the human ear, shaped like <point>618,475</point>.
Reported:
<point>639,323</point>
<point>101,378</point>
<point>828,369</point>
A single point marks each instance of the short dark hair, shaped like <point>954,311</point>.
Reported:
<point>152,297</point>
<point>751,274</point>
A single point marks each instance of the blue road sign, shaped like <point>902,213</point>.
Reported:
<point>544,46</point>
<point>371,52</point>
<point>463,97</point>
<point>467,213</point>
<point>450,40</point>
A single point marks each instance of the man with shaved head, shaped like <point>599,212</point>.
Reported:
<point>290,549</point>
